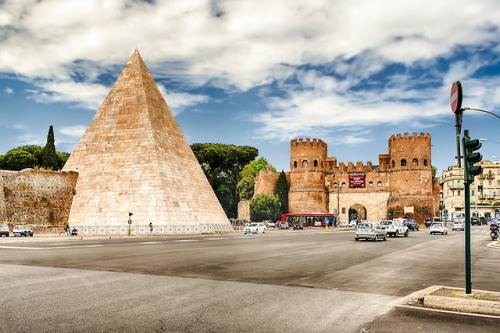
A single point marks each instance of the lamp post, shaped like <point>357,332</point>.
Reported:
<point>338,204</point>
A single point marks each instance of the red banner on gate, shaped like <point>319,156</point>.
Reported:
<point>357,181</point>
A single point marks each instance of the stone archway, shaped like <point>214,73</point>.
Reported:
<point>357,212</point>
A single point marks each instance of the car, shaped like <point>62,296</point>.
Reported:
<point>458,225</point>
<point>439,228</point>
<point>255,228</point>
<point>298,226</point>
<point>475,220</point>
<point>4,230</point>
<point>395,228</point>
<point>22,230</point>
<point>370,230</point>
<point>430,220</point>
<point>412,225</point>
<point>269,223</point>
<point>284,225</point>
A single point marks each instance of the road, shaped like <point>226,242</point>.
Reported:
<point>281,281</point>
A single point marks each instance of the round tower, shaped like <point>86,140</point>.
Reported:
<point>307,192</point>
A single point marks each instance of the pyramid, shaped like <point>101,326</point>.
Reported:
<point>134,158</point>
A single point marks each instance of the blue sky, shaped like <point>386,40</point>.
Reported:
<point>260,72</point>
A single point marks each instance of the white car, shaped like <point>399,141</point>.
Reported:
<point>395,228</point>
<point>255,228</point>
<point>439,228</point>
<point>22,230</point>
<point>458,226</point>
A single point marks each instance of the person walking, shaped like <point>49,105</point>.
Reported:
<point>150,227</point>
<point>68,230</point>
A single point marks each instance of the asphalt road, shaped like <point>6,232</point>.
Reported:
<point>283,281</point>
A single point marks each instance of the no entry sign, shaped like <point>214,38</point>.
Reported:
<point>456,97</point>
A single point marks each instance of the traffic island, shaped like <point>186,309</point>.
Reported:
<point>455,299</point>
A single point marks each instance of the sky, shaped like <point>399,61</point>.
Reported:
<point>261,72</point>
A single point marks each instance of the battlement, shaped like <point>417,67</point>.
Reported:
<point>359,166</point>
<point>313,142</point>
<point>414,136</point>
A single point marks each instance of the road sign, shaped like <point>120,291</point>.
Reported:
<point>456,97</point>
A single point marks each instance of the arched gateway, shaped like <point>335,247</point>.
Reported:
<point>357,212</point>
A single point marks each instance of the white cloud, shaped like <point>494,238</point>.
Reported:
<point>73,131</point>
<point>64,47</point>
<point>9,90</point>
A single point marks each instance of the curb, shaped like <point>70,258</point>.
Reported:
<point>429,299</point>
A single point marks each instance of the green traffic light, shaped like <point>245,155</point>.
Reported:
<point>471,157</point>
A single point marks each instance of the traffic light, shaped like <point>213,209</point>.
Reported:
<point>471,157</point>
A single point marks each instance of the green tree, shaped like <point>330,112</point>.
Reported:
<point>282,192</point>
<point>247,177</point>
<point>18,159</point>
<point>61,159</point>
<point>434,172</point>
<point>49,156</point>
<point>222,164</point>
<point>265,207</point>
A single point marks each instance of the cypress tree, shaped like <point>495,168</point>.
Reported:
<point>282,192</point>
<point>49,155</point>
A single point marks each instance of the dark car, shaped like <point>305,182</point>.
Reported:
<point>298,226</point>
<point>412,225</point>
<point>428,222</point>
<point>475,220</point>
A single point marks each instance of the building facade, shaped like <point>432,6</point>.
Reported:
<point>484,192</point>
<point>401,185</point>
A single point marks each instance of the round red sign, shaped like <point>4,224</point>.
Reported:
<point>456,97</point>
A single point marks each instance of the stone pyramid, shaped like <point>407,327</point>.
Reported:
<point>134,158</point>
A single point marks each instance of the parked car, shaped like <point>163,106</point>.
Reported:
<point>412,225</point>
<point>395,228</point>
<point>458,225</point>
<point>255,228</point>
<point>439,228</point>
<point>369,230</point>
<point>298,226</point>
<point>4,230</point>
<point>475,220</point>
<point>22,230</point>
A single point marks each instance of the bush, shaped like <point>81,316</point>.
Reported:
<point>265,207</point>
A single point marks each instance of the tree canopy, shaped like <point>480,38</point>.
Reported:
<point>49,156</point>
<point>222,164</point>
<point>29,156</point>
<point>265,206</point>
<point>282,192</point>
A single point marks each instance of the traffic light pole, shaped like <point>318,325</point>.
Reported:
<point>468,271</point>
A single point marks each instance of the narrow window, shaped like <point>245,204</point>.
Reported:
<point>335,185</point>
<point>295,164</point>
<point>425,162</point>
<point>393,164</point>
<point>315,163</point>
<point>403,162</point>
<point>379,184</point>
<point>370,184</point>
<point>415,162</point>
<point>304,163</point>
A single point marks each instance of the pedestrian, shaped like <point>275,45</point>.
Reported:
<point>150,227</point>
<point>68,230</point>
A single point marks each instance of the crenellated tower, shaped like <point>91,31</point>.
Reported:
<point>307,176</point>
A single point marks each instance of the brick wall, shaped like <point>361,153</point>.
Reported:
<point>36,197</point>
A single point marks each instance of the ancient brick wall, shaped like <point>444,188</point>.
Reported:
<point>36,197</point>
